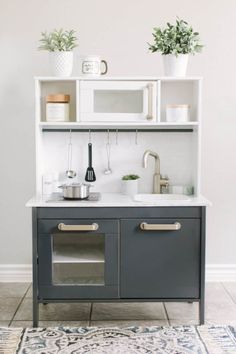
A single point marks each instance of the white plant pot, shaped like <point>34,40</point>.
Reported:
<point>61,63</point>
<point>175,66</point>
<point>130,187</point>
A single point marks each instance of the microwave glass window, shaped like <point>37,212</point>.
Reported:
<point>118,101</point>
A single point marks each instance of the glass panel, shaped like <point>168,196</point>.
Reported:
<point>118,101</point>
<point>78,274</point>
<point>78,259</point>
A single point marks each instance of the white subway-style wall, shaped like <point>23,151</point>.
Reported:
<point>174,149</point>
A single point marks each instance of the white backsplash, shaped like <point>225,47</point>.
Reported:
<point>174,149</point>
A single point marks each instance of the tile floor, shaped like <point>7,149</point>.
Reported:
<point>16,310</point>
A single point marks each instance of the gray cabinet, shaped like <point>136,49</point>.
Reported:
<point>160,263</point>
<point>118,254</point>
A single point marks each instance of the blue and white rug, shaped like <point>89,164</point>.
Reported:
<point>131,340</point>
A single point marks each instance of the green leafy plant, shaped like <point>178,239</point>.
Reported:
<point>58,40</point>
<point>130,177</point>
<point>179,38</point>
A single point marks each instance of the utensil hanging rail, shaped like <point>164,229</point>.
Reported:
<point>120,130</point>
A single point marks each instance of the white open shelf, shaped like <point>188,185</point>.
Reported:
<point>168,90</point>
<point>69,254</point>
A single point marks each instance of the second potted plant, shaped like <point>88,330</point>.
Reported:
<point>175,43</point>
<point>60,45</point>
<point>130,184</point>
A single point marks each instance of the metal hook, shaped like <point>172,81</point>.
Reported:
<point>136,137</point>
<point>70,151</point>
<point>89,136</point>
<point>116,136</point>
<point>70,137</point>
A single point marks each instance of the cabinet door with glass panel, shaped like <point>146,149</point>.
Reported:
<point>118,101</point>
<point>78,258</point>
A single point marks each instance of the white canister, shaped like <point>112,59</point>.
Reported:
<point>177,113</point>
<point>58,108</point>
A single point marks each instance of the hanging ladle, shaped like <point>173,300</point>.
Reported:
<point>108,170</point>
<point>70,173</point>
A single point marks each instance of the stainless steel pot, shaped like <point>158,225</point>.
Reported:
<point>75,190</point>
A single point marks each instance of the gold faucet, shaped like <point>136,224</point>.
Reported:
<point>158,181</point>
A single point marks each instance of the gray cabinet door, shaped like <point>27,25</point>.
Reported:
<point>160,264</point>
<point>75,263</point>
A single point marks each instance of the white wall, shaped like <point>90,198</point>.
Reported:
<point>119,31</point>
<point>175,150</point>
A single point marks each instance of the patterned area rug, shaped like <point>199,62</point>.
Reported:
<point>131,340</point>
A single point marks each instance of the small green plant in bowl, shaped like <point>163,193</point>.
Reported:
<point>130,184</point>
<point>60,45</point>
<point>175,42</point>
<point>130,177</point>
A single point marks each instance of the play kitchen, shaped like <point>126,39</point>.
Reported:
<point>125,218</point>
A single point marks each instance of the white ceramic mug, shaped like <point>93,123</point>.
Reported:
<point>92,65</point>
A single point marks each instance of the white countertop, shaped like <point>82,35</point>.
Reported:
<point>115,200</point>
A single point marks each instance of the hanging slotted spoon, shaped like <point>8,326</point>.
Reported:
<point>90,174</point>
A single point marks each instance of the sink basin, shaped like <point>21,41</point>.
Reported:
<point>152,198</point>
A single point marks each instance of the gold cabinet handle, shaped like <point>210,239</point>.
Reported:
<point>160,227</point>
<point>150,103</point>
<point>64,227</point>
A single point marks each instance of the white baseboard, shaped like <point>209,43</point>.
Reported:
<point>23,273</point>
<point>220,272</point>
<point>15,273</point>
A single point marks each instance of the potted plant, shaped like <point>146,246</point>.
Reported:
<point>130,184</point>
<point>60,45</point>
<point>175,43</point>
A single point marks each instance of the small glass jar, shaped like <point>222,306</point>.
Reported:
<point>58,108</point>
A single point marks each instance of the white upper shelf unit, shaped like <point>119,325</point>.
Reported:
<point>120,102</point>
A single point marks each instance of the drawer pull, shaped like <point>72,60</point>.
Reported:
<point>164,227</point>
<point>64,227</point>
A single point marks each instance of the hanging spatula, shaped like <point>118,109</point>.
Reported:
<point>90,174</point>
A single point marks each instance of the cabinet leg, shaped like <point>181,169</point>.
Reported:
<point>35,313</point>
<point>202,312</point>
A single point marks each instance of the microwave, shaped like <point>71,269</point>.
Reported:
<point>118,101</point>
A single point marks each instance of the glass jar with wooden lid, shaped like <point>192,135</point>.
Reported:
<point>58,108</point>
